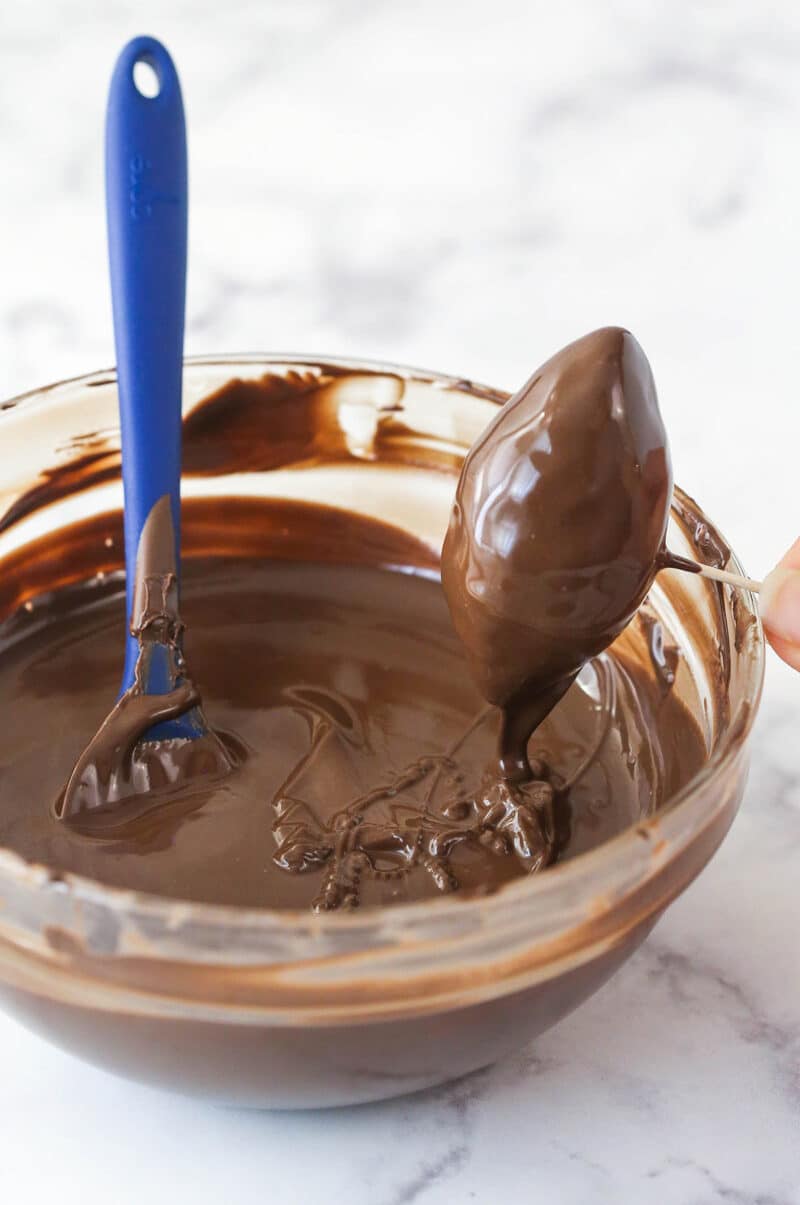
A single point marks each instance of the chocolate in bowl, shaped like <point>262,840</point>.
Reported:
<point>285,1008</point>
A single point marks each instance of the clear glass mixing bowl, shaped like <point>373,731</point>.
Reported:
<point>295,1010</point>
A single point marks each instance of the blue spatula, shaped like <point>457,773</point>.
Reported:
<point>156,734</point>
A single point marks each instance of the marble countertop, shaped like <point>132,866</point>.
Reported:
<point>467,187</point>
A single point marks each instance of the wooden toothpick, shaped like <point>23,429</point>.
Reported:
<point>730,579</point>
<point>671,561</point>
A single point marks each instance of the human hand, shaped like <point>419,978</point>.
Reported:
<point>779,603</point>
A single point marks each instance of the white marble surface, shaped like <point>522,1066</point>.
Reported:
<point>467,185</point>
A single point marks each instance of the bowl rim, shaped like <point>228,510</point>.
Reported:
<point>618,867</point>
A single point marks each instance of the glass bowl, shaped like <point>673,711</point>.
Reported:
<point>293,1010</point>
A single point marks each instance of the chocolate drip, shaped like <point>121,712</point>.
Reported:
<point>352,844</point>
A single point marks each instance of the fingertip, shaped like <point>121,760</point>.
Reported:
<point>779,604</point>
<point>790,653</point>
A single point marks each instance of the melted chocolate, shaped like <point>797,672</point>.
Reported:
<point>554,540</point>
<point>366,753</point>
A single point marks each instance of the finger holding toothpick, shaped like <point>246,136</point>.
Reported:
<point>780,607</point>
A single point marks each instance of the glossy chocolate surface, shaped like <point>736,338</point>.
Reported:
<point>366,756</point>
<point>559,520</point>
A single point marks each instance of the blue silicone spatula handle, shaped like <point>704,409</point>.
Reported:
<point>146,206</point>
